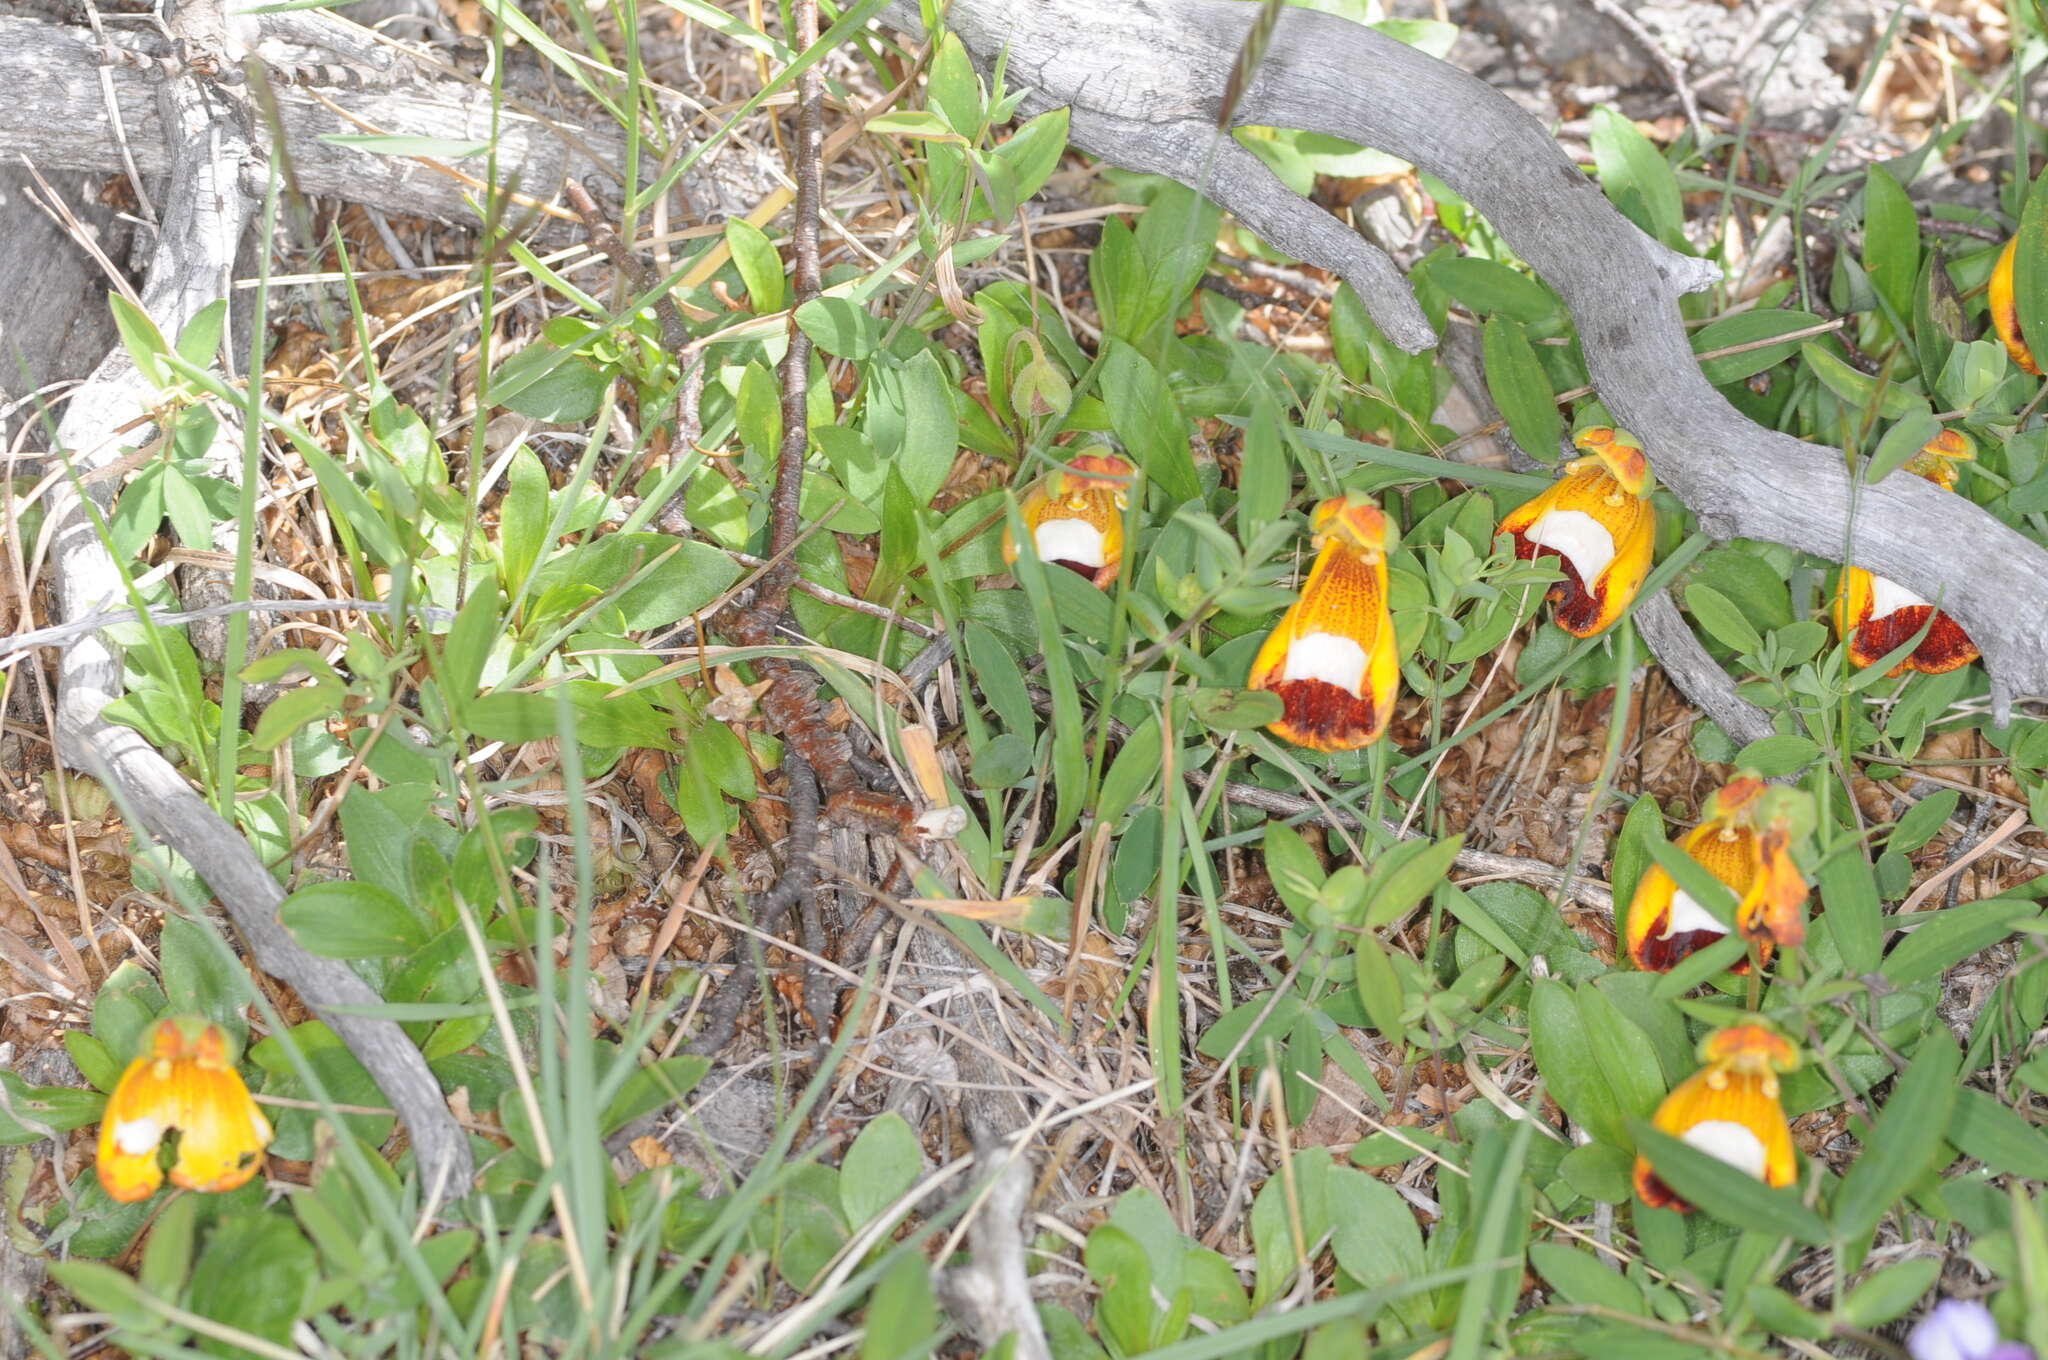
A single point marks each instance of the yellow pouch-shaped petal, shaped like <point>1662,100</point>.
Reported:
<point>1331,659</point>
<point>1602,536</point>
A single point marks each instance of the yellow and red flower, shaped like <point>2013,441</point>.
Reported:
<point>1332,657</point>
<point>1729,1110</point>
<point>1745,840</point>
<point>1875,616</point>
<point>185,1081</point>
<point>1076,516</point>
<point>1598,522</point>
<point>2005,309</point>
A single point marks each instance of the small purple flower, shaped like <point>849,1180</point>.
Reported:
<point>1959,1329</point>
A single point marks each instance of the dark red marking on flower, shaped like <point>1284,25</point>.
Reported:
<point>1657,1194</point>
<point>1658,954</point>
<point>1325,716</point>
<point>1578,610</point>
<point>1080,569</point>
<point>1945,647</point>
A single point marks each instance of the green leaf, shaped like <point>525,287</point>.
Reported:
<point>1146,418</point>
<point>902,1318</point>
<point>350,508</point>
<point>510,715</point>
<point>1406,874</point>
<point>758,262</point>
<point>167,1258</point>
<point>1984,1127</point>
<point>93,1059</point>
<point>1891,240</point>
<point>650,1088</point>
<point>1379,987</point>
<point>128,1002</point>
<point>1904,439</point>
<point>1749,328</point>
<point>31,1112</point>
<point>140,337</point>
<point>915,123</point>
<point>296,709</point>
<point>1889,1292</point>
<point>954,89</point>
<point>1573,1068</point>
<point>1296,873</point>
<point>468,644</point>
<point>104,1289</point>
<point>254,1275</point>
<point>1922,821</point>
<point>1636,178</point>
<point>1236,710</point>
<point>1372,1230</point>
<point>1033,151</point>
<point>1785,753</point>
<point>1937,313</point>
<point>2030,270</point>
<point>1521,389</point>
<point>1722,620</point>
<point>1856,388</point>
<point>1728,1194</point>
<point>1488,286</point>
<point>840,327</point>
<point>1130,776</point>
<point>883,1162</point>
<point>522,519</point>
<point>1583,1278</point>
<point>349,919</point>
<point>1944,939</point>
<point>199,342</point>
<point>201,977</point>
<point>1644,824</point>
<point>1629,1061</point>
<point>931,434</point>
<point>550,384</point>
<point>1599,1171</point>
<point>1855,916</point>
<point>1903,1144</point>
<point>679,577</point>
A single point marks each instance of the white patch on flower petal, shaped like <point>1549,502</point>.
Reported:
<point>1889,597</point>
<point>1329,657</point>
<point>137,1136</point>
<point>1727,1141</point>
<point>1576,536</point>
<point>1688,915</point>
<point>1069,540</point>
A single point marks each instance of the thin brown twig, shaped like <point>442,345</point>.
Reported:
<point>852,602</point>
<point>796,362</point>
<point>799,874</point>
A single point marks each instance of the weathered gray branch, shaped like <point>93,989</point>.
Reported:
<point>58,117</point>
<point>206,212</point>
<point>1145,74</point>
<point>1698,677</point>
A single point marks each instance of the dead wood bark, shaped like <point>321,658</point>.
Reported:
<point>54,322</point>
<point>1145,80</point>
<point>59,118</point>
<point>206,212</point>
